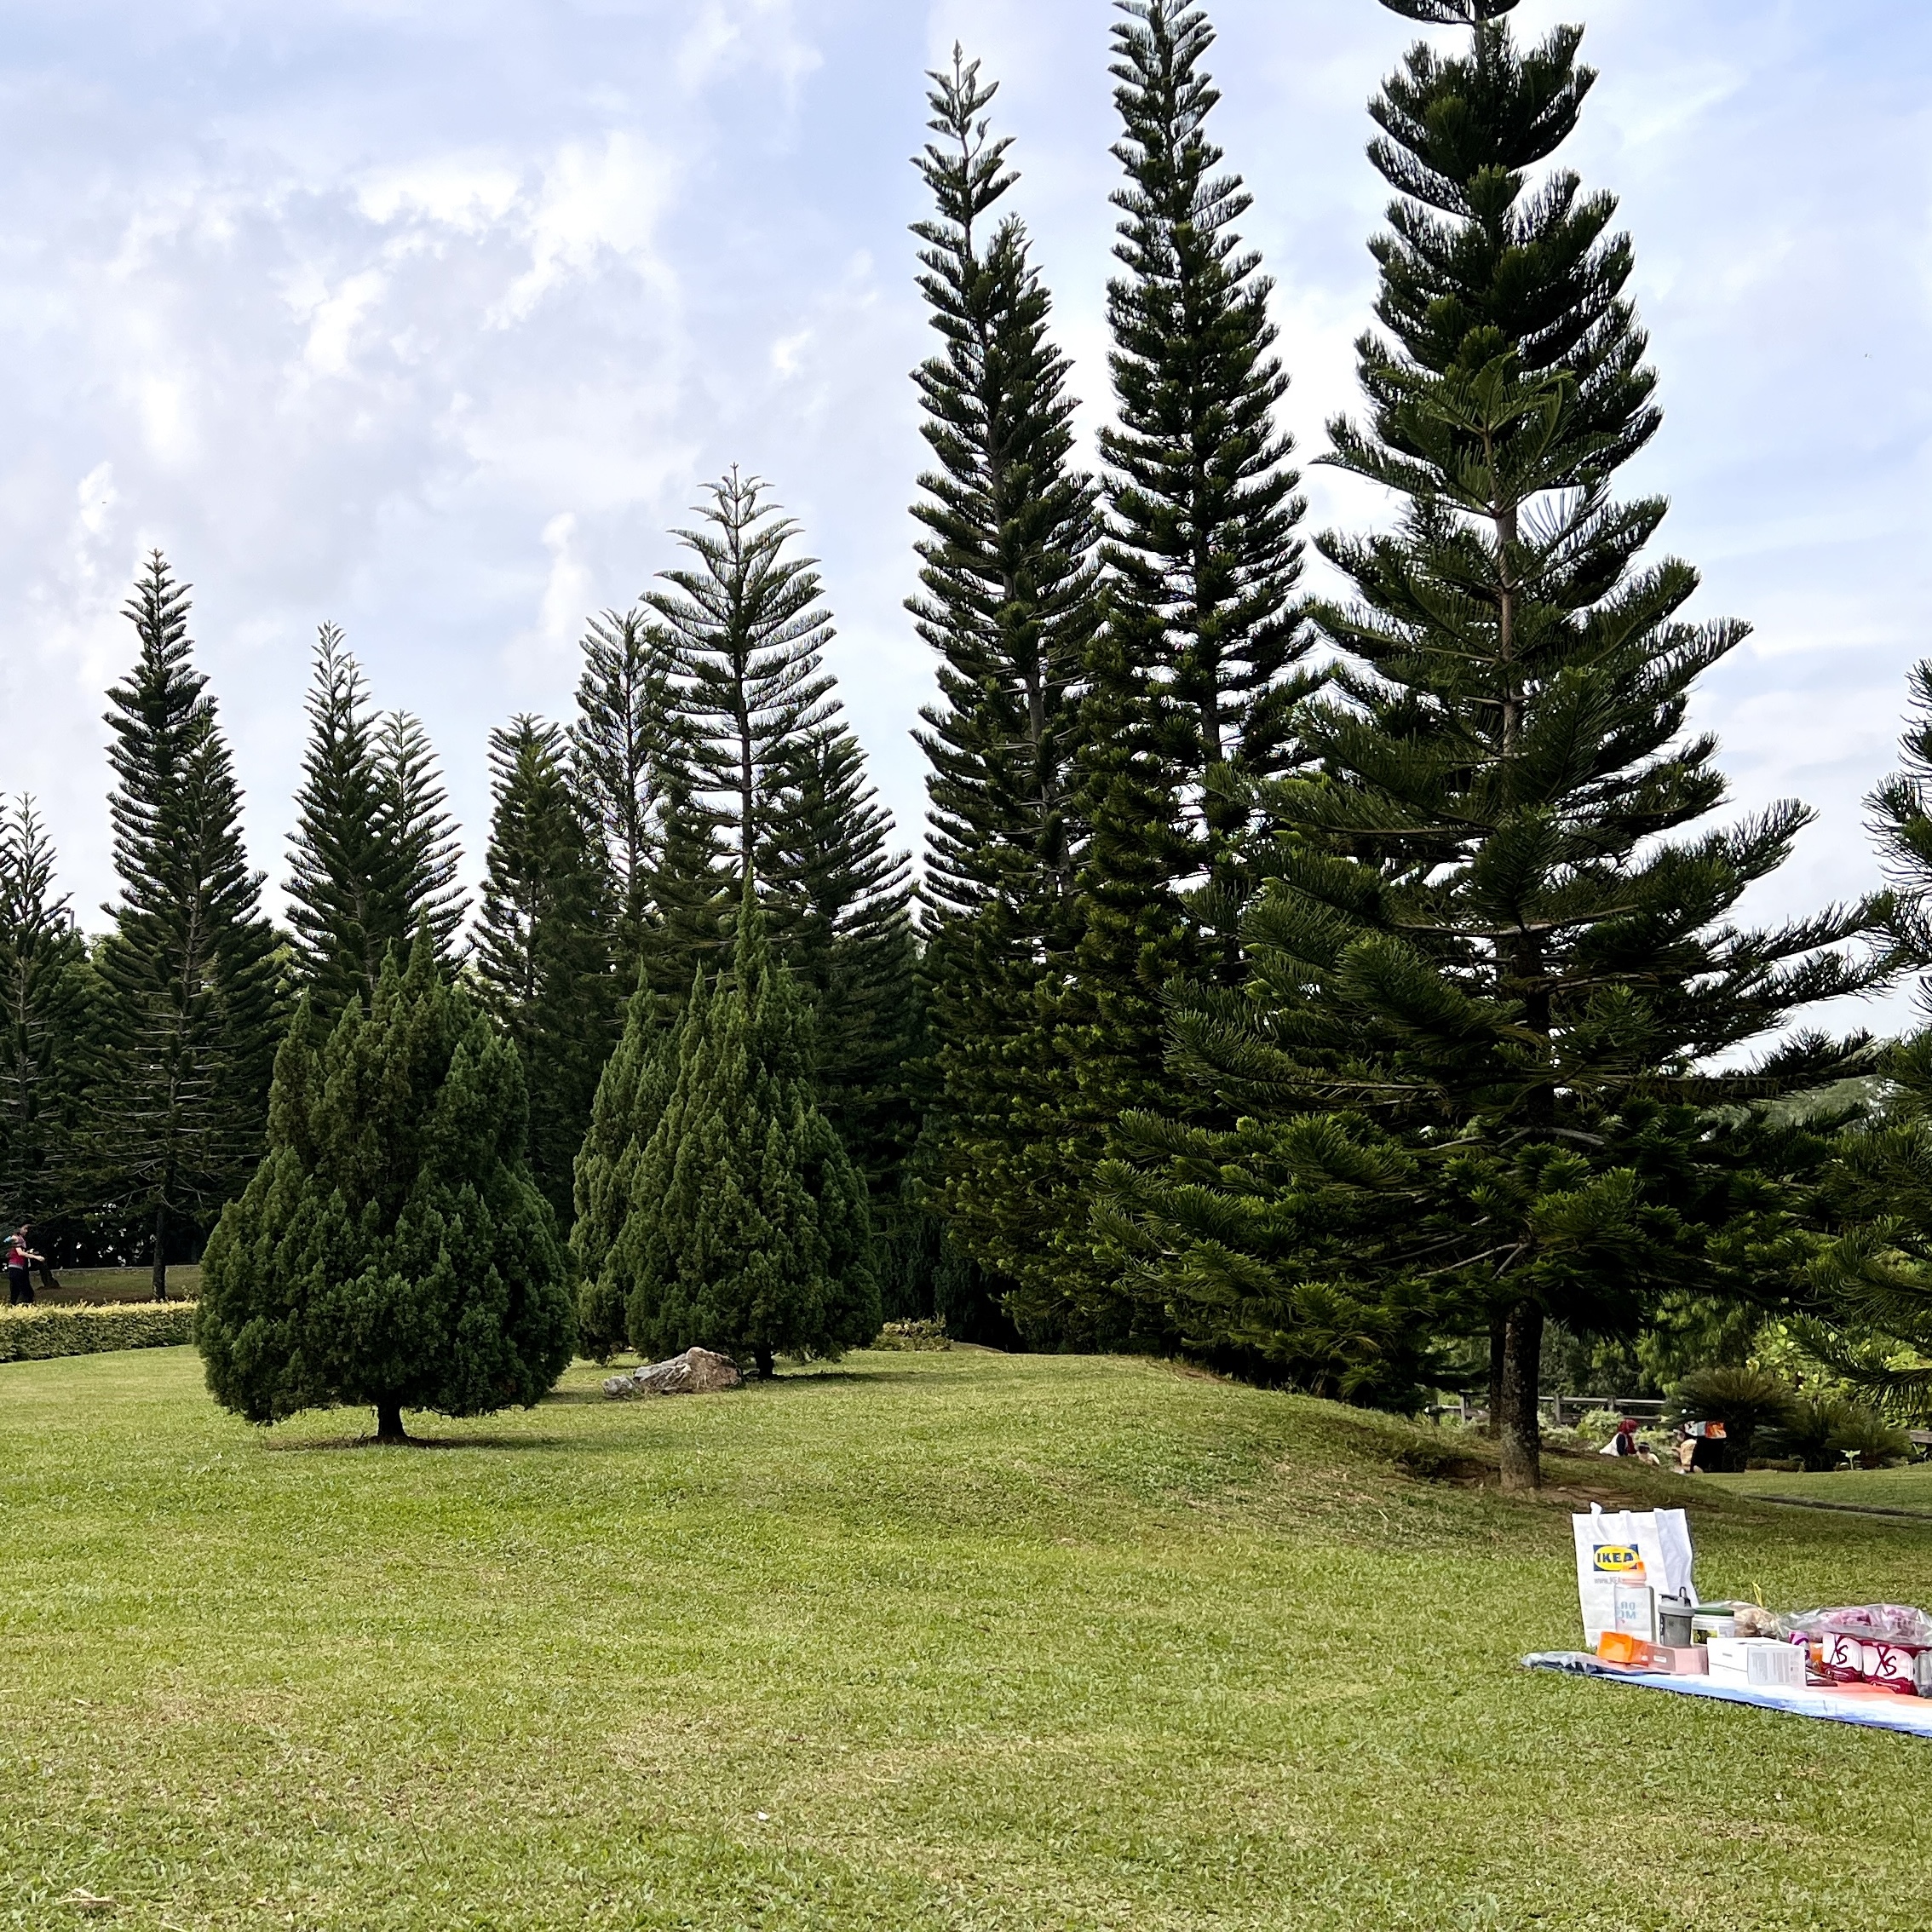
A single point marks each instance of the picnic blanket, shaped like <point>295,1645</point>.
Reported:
<point>1842,1704</point>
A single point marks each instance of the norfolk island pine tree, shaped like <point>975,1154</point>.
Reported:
<point>1497,976</point>
<point>392,1249</point>
<point>194,1000</point>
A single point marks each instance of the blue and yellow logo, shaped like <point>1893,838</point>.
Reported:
<point>1618,1559</point>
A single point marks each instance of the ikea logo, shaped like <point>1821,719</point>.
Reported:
<point>1618,1559</point>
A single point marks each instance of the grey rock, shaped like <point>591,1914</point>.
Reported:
<point>697,1371</point>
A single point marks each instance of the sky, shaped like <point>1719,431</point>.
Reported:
<point>428,318</point>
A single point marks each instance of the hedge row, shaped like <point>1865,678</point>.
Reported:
<point>37,1334</point>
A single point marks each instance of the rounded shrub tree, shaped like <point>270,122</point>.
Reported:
<point>748,1230</point>
<point>392,1248</point>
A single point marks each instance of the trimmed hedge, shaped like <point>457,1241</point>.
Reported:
<point>38,1334</point>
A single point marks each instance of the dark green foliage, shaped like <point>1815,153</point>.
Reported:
<point>192,1004</point>
<point>542,958</point>
<point>1822,1431</point>
<point>46,990</point>
<point>1875,1277</point>
<point>1744,1399</point>
<point>632,766</point>
<point>373,856</point>
<point>1201,541</point>
<point>1496,961</point>
<point>393,1248</point>
<point>837,901</point>
<point>748,1229</point>
<point>747,629</point>
<point>1195,682</point>
<point>631,1094</point>
<point>1008,602</point>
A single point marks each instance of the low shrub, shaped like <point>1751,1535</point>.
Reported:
<point>1744,1399</point>
<point>1818,1430</point>
<point>38,1334</point>
<point>917,1338</point>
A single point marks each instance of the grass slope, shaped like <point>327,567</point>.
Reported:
<point>921,1643</point>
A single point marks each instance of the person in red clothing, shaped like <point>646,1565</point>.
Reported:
<point>21,1259</point>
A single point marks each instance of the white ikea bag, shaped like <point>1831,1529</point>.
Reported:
<point>1627,1548</point>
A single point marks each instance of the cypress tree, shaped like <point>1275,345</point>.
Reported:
<point>46,990</point>
<point>1500,957</point>
<point>747,629</point>
<point>392,1249</point>
<point>542,958</point>
<point>373,856</point>
<point>631,1094</point>
<point>193,1005</point>
<point>748,1231</point>
<point>1008,603</point>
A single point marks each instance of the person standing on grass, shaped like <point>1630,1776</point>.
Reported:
<point>21,1259</point>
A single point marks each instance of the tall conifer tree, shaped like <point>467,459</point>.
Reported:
<point>747,630</point>
<point>1008,602</point>
<point>373,855</point>
<point>542,941</point>
<point>1501,935</point>
<point>837,902</point>
<point>626,747</point>
<point>46,986</point>
<point>1195,679</point>
<point>194,1004</point>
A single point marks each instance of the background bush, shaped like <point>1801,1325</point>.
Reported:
<point>37,1334</point>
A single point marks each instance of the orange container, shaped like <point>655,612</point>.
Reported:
<point>1619,1647</point>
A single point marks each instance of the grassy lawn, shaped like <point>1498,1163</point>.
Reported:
<point>922,1641</point>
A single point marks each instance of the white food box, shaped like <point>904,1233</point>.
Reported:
<point>1759,1663</point>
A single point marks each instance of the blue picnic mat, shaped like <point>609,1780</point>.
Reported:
<point>1844,1704</point>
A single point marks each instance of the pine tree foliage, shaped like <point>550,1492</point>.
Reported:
<point>46,991</point>
<point>1009,604</point>
<point>427,858</point>
<point>1874,1279</point>
<point>631,1095</point>
<point>1503,959</point>
<point>630,763</point>
<point>1203,550</point>
<point>191,969</point>
<point>748,1231</point>
<point>373,855</point>
<point>392,1249</point>
<point>837,907</point>
<point>542,945</point>
<point>747,629</point>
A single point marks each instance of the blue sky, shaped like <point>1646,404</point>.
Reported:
<point>427,319</point>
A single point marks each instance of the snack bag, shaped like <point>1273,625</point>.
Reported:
<point>1648,1548</point>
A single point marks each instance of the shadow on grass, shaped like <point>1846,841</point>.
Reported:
<point>333,1443</point>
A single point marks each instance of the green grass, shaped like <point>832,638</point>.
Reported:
<point>119,1284</point>
<point>923,1641</point>
<point>1906,1488</point>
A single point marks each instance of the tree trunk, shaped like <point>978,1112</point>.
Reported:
<point>763,1356</point>
<point>1522,1365</point>
<point>161,1254</point>
<point>388,1422</point>
<point>1498,1333</point>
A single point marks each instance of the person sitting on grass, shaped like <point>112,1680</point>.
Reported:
<point>1625,1443</point>
<point>21,1259</point>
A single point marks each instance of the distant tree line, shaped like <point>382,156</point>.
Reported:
<point>1347,991</point>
